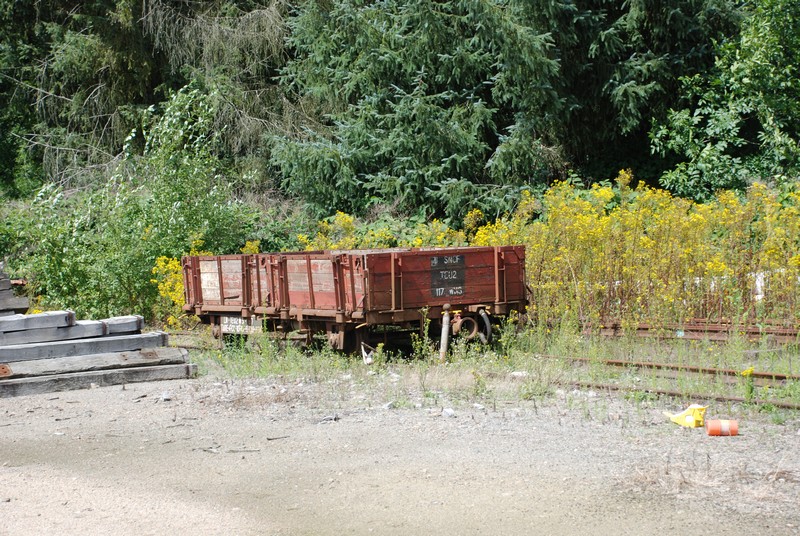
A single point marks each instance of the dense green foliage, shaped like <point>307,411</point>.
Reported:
<point>438,106</point>
<point>424,104</point>
<point>74,80</point>
<point>131,130</point>
<point>619,67</point>
<point>94,252</point>
<point>743,119</point>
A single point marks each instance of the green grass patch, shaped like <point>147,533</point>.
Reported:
<point>523,365</point>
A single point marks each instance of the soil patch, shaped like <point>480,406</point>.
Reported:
<point>289,458</point>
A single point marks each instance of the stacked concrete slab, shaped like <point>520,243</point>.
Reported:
<point>55,352</point>
<point>10,303</point>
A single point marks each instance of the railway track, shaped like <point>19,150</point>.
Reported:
<point>765,388</point>
<point>749,386</point>
<point>701,330</point>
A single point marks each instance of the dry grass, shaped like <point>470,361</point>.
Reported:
<point>517,368</point>
<point>742,488</point>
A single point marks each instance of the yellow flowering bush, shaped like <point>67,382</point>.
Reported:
<point>434,234</point>
<point>168,276</point>
<point>506,229</point>
<point>343,231</point>
<point>340,232</point>
<point>196,247</point>
<point>612,253</point>
<point>251,247</point>
<point>641,255</point>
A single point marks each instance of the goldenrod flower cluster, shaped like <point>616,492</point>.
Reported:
<point>338,233</point>
<point>616,254</point>
<point>168,275</point>
<point>251,247</point>
<point>343,232</point>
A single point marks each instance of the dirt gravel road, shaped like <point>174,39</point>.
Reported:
<point>287,458</point>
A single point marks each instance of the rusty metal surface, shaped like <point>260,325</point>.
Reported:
<point>357,286</point>
<point>689,395</point>
<point>699,330</point>
<point>458,276</point>
<point>670,366</point>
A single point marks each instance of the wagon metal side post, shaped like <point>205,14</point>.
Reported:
<point>193,290</point>
<point>445,332</point>
<point>246,287</point>
<point>221,283</point>
<point>283,282</point>
<point>197,277</point>
<point>397,282</point>
<point>352,300</point>
<point>188,287</point>
<point>499,276</point>
<point>339,288</point>
<point>254,268</point>
<point>310,275</point>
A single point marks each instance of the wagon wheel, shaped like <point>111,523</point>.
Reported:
<point>353,338</point>
<point>337,336</point>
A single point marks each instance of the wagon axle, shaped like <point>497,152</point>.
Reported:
<point>357,296</point>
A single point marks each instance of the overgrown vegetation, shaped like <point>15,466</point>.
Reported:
<point>630,255</point>
<point>137,131</point>
<point>529,365</point>
<point>741,118</point>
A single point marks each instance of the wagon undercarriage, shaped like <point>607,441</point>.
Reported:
<point>358,296</point>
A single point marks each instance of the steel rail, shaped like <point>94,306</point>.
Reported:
<point>679,394</point>
<point>669,366</point>
<point>698,330</point>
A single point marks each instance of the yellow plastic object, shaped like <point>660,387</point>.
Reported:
<point>691,417</point>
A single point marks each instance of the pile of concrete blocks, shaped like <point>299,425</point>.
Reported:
<point>10,303</point>
<point>53,351</point>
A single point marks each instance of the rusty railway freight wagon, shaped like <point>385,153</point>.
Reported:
<point>357,296</point>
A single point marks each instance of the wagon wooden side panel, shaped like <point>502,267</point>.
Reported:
<point>343,292</point>
<point>216,283</point>
<point>459,277</point>
<point>312,282</point>
<point>353,283</point>
<point>261,281</point>
<point>191,285</point>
